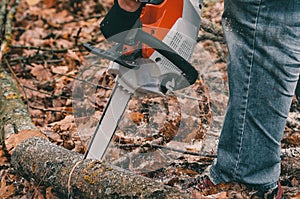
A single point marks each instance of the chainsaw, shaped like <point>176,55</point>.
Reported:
<point>166,36</point>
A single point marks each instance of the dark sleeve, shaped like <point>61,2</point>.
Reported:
<point>118,20</point>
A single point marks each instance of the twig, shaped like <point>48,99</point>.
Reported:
<point>220,52</point>
<point>155,146</point>
<point>81,19</point>
<point>45,93</point>
<point>212,37</point>
<point>30,59</point>
<point>17,80</point>
<point>177,93</point>
<point>51,49</point>
<point>77,36</point>
<point>39,48</point>
<point>211,27</point>
<point>49,109</point>
<point>85,81</point>
<point>8,29</point>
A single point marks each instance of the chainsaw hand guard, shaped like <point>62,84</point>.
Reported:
<point>118,22</point>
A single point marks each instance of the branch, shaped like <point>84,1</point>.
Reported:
<point>82,19</point>
<point>8,29</point>
<point>40,48</point>
<point>156,146</point>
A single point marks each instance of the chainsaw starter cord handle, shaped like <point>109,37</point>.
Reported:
<point>189,72</point>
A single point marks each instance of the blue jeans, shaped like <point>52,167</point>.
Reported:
<point>263,39</point>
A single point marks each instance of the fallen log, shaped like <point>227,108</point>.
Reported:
<point>69,174</point>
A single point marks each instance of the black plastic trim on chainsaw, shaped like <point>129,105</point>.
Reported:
<point>112,55</point>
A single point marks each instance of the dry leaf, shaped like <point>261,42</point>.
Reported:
<point>6,191</point>
<point>137,117</point>
<point>49,3</point>
<point>297,196</point>
<point>59,69</point>
<point>32,2</point>
<point>13,140</point>
<point>40,72</point>
<point>3,158</point>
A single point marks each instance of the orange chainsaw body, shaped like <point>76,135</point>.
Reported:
<point>157,20</point>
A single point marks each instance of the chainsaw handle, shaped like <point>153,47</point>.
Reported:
<point>189,72</point>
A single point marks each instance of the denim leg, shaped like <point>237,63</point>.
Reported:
<point>263,39</point>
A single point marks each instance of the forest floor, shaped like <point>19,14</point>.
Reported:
<point>66,90</point>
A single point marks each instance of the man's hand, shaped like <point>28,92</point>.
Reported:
<point>129,5</point>
<point>121,18</point>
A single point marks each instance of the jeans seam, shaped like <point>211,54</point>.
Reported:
<point>235,175</point>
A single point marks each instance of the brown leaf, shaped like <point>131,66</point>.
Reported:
<point>137,117</point>
<point>181,171</point>
<point>30,35</point>
<point>3,158</point>
<point>66,124</point>
<point>13,140</point>
<point>32,2</point>
<point>63,43</point>
<point>59,69</point>
<point>50,194</point>
<point>49,3</point>
<point>297,196</point>
<point>6,191</point>
<point>294,139</point>
<point>40,72</point>
<point>73,59</point>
